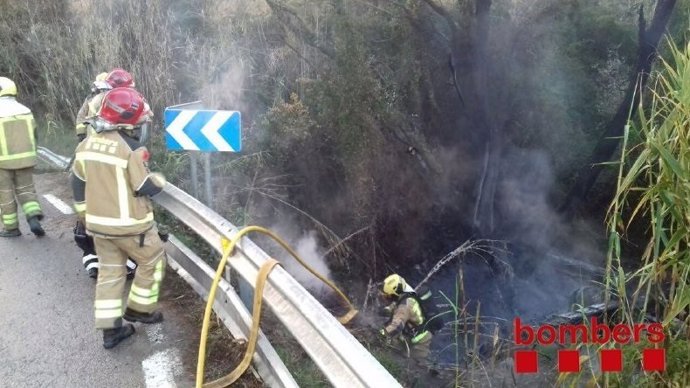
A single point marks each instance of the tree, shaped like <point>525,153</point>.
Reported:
<point>648,39</point>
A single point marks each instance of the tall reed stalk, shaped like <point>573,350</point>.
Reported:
<point>654,190</point>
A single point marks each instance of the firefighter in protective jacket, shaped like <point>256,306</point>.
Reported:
<point>91,104</point>
<point>112,185</point>
<point>17,161</point>
<point>407,317</point>
<point>88,111</point>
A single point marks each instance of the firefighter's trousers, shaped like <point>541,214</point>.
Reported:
<point>17,184</point>
<point>148,252</point>
<point>90,259</point>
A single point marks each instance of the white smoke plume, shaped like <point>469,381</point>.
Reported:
<point>306,245</point>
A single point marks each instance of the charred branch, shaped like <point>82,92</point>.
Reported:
<point>483,220</point>
<point>455,79</point>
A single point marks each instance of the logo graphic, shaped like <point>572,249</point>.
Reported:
<point>611,360</point>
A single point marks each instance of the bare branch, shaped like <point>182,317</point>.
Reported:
<point>417,24</point>
<point>294,49</point>
<point>341,242</point>
<point>301,29</point>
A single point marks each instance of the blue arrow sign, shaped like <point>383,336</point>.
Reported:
<point>203,130</point>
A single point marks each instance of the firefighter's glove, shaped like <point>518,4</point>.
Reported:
<point>163,232</point>
<point>385,338</point>
<point>81,137</point>
<point>158,179</point>
<point>84,242</point>
<point>79,229</point>
<point>386,311</point>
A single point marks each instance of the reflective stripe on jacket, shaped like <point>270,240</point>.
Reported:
<point>109,171</point>
<point>17,135</point>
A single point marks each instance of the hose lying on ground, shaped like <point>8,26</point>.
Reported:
<point>264,271</point>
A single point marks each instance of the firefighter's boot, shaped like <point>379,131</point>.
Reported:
<point>10,233</point>
<point>35,227</point>
<point>112,337</point>
<point>135,316</point>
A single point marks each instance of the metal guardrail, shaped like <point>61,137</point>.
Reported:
<point>228,306</point>
<point>231,311</point>
<point>341,358</point>
<point>53,158</point>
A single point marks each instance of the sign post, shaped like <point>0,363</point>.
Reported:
<point>190,128</point>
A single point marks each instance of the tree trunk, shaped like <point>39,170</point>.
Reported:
<point>607,145</point>
<point>483,220</point>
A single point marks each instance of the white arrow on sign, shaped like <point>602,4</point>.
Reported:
<point>176,129</point>
<point>210,130</point>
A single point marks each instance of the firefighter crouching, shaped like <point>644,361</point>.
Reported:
<point>408,321</point>
<point>112,185</point>
<point>17,161</point>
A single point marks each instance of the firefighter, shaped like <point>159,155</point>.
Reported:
<point>112,185</point>
<point>104,82</point>
<point>407,317</point>
<point>91,104</point>
<point>87,110</point>
<point>17,161</point>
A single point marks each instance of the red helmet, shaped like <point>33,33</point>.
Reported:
<point>120,78</point>
<point>122,106</point>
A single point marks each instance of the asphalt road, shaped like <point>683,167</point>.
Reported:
<point>47,333</point>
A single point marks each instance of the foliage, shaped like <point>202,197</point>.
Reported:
<point>349,101</point>
<point>653,189</point>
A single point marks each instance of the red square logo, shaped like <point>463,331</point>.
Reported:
<point>611,360</point>
<point>568,361</point>
<point>526,361</point>
<point>654,360</point>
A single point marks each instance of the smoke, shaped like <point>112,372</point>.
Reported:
<point>223,90</point>
<point>306,245</point>
<point>552,256</point>
<point>523,205</point>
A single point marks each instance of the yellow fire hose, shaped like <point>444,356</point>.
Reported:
<point>264,271</point>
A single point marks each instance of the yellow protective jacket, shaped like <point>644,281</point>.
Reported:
<point>88,109</point>
<point>17,135</point>
<point>112,184</point>
<point>407,314</point>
